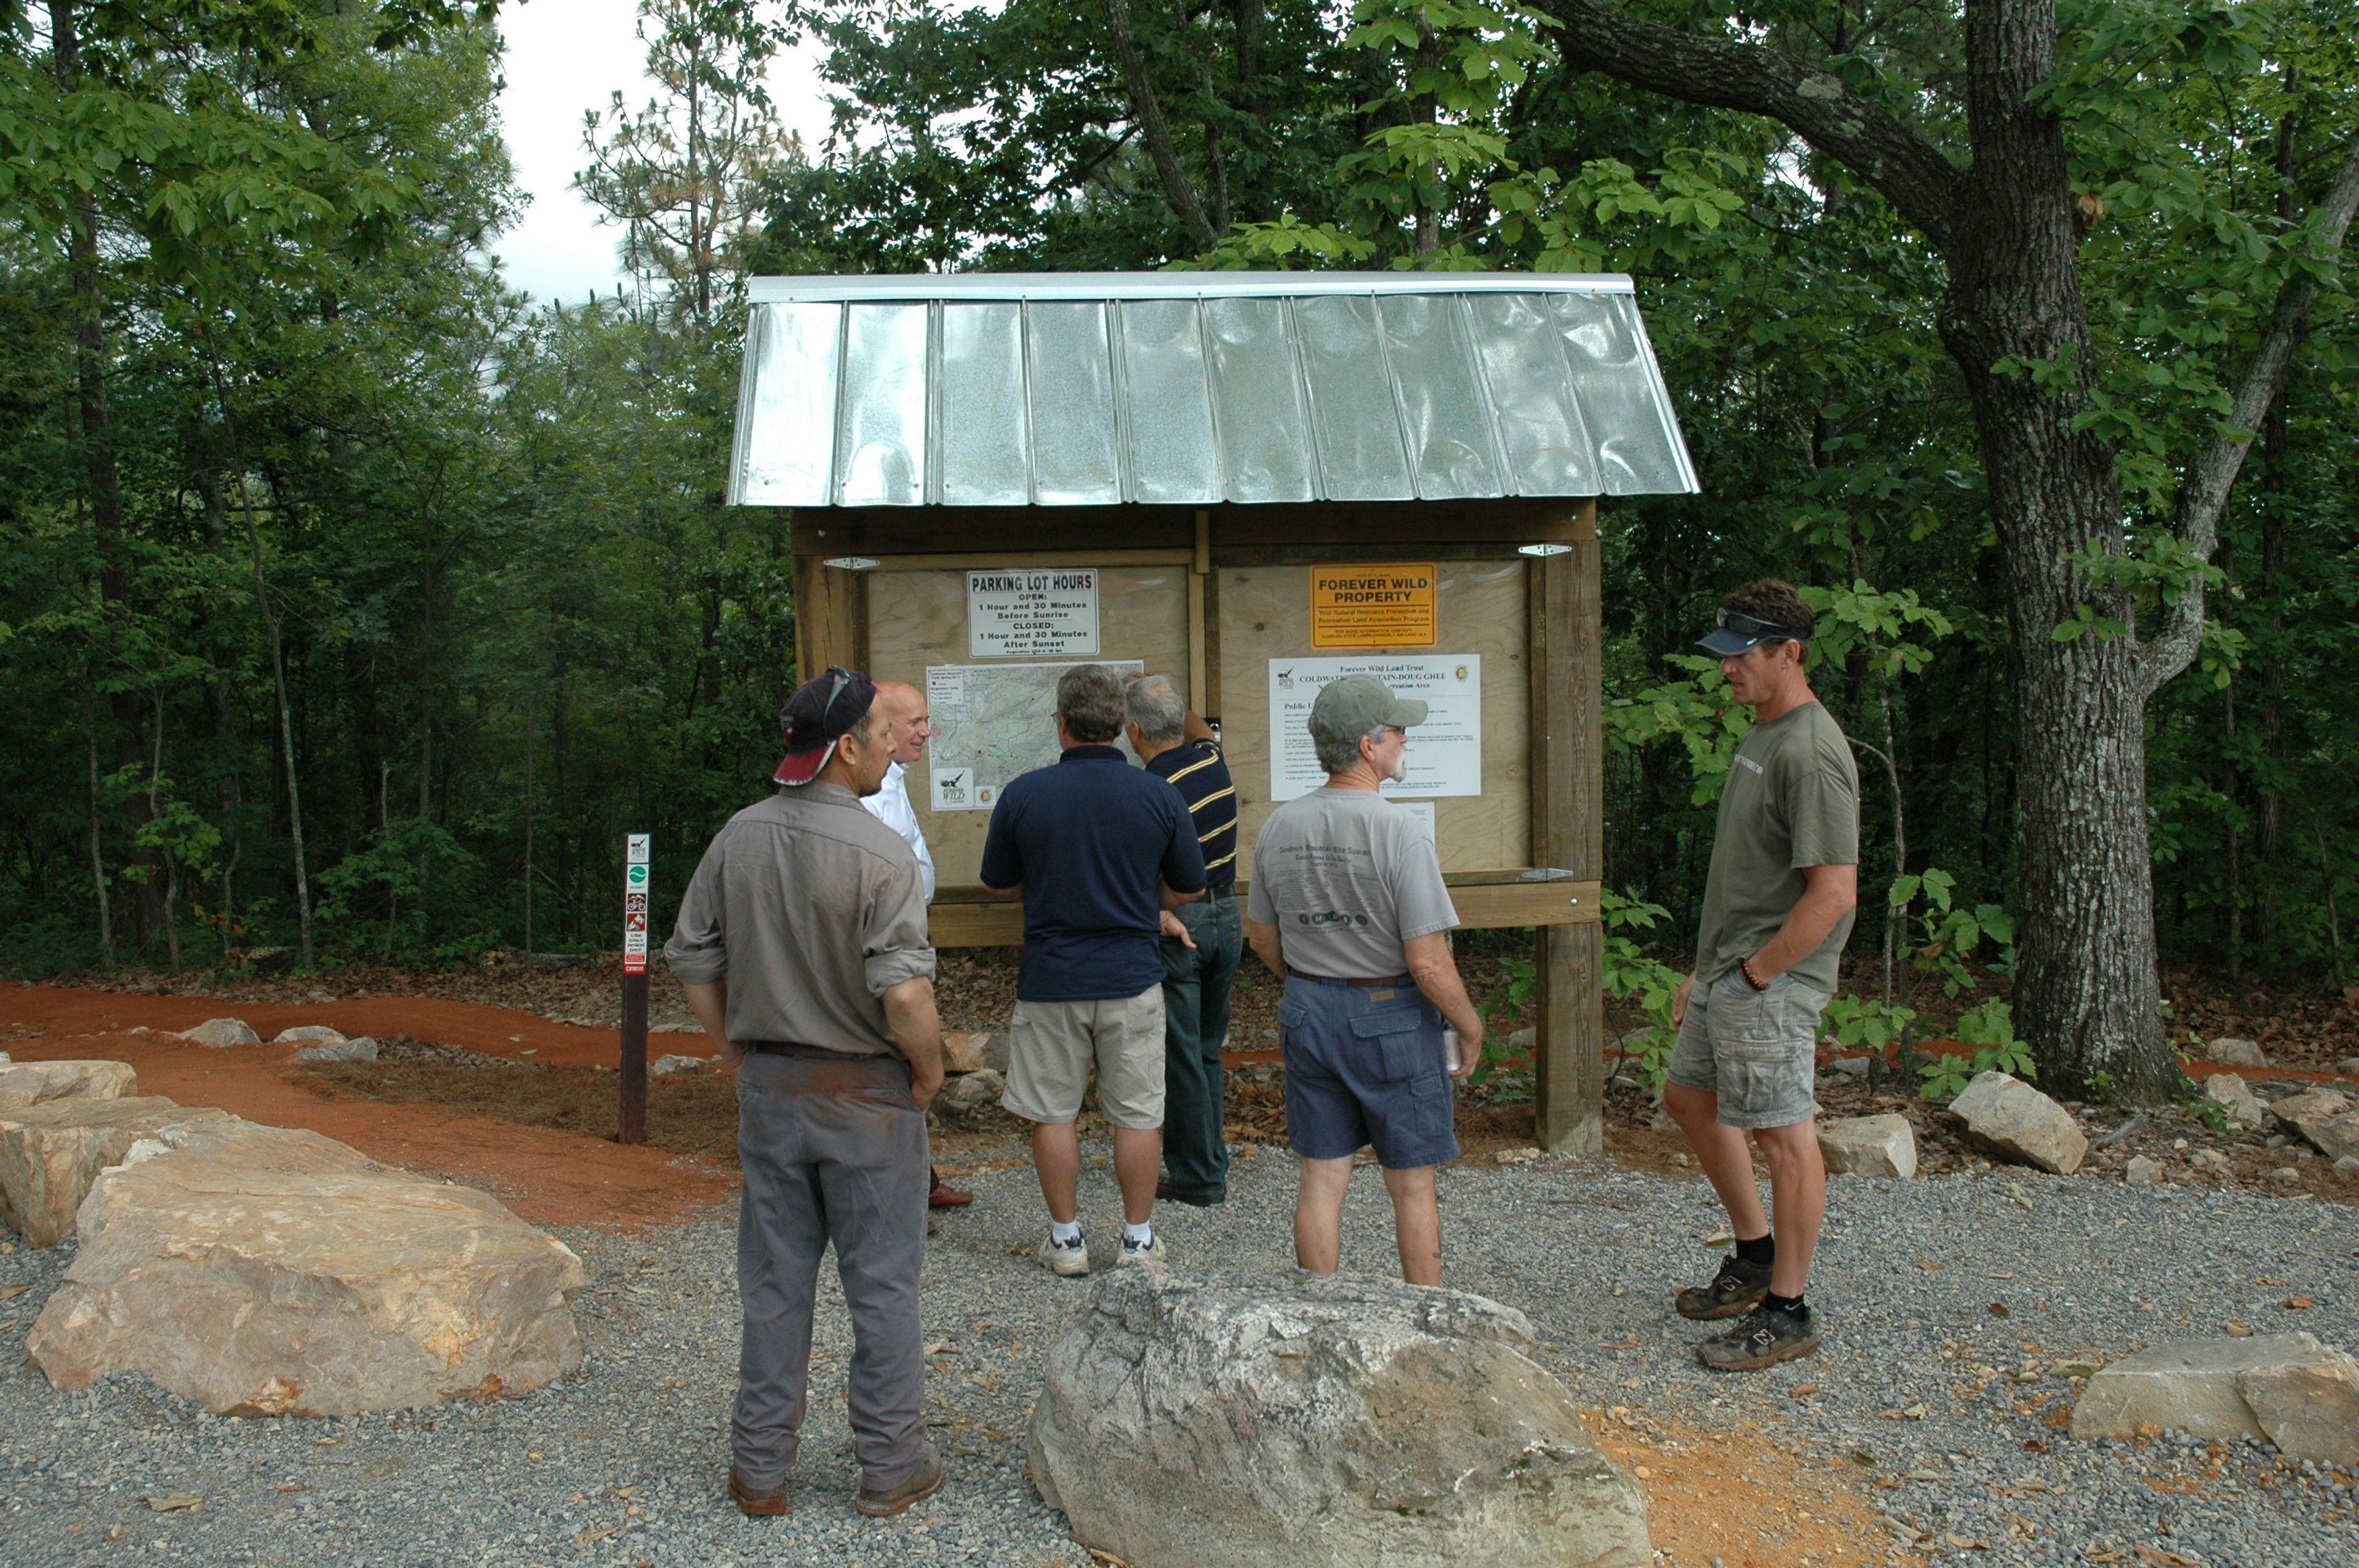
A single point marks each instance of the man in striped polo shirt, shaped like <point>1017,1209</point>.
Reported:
<point>1199,964</point>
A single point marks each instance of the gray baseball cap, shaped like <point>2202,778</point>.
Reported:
<point>1350,707</point>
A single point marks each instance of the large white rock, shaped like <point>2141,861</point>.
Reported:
<point>305,1035</point>
<point>359,1048</point>
<point>2015,1121</point>
<point>221,1031</point>
<point>2287,1387</point>
<point>51,1153</point>
<point>2329,1121</point>
<point>1869,1146</point>
<point>2236,1053</point>
<point>35,1083</point>
<point>260,1270</point>
<point>2231,1094</point>
<point>1263,1421</point>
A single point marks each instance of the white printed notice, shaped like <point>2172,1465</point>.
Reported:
<point>1445,753</point>
<point>992,722</point>
<point>1044,613</point>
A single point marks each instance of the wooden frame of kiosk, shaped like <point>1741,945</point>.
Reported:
<point>1487,606</point>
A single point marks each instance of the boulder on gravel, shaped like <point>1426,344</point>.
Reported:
<point>37,1083</point>
<point>1267,1421</point>
<point>1869,1146</point>
<point>2235,1097</point>
<point>971,1099</point>
<point>2328,1121</point>
<point>2236,1053</point>
<point>306,1034</point>
<point>219,1033</point>
<point>359,1048</point>
<point>261,1271</point>
<point>2141,1172</point>
<point>2287,1387</point>
<point>964,1051</point>
<point>673,1062</point>
<point>2015,1121</point>
<point>51,1153</point>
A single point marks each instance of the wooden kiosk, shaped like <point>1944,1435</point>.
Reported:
<point>1251,483</point>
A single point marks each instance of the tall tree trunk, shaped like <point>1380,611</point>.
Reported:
<point>89,323</point>
<point>171,861</point>
<point>1147,110</point>
<point>286,726</point>
<point>224,721</point>
<point>97,853</point>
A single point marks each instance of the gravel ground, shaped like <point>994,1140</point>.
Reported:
<point>1946,1301</point>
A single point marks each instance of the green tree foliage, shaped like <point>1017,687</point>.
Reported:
<point>482,545</point>
<point>267,419</point>
<point>1799,317</point>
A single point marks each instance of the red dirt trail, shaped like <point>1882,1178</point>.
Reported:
<point>548,1178</point>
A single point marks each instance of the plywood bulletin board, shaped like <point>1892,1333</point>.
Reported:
<point>1265,613</point>
<point>917,617</point>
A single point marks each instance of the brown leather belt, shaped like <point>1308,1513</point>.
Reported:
<point>1293,973</point>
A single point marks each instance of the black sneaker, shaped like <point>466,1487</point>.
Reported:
<point>1736,1289</point>
<point>1761,1339</point>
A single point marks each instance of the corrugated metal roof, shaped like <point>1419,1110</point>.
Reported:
<point>1078,389</point>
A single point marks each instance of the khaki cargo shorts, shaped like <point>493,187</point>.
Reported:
<point>1757,1050</point>
<point>1051,1046</point>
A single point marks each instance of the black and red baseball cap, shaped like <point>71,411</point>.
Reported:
<point>821,712</point>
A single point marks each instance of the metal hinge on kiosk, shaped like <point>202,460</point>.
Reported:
<point>1548,874</point>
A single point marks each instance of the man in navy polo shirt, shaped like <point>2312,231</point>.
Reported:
<point>1099,851</point>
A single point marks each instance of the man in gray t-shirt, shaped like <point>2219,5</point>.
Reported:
<point>1348,904</point>
<point>1776,910</point>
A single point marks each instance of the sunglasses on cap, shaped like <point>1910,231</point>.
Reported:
<point>1734,633</point>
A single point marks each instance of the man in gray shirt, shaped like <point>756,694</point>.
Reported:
<point>802,945</point>
<point>1776,910</point>
<point>1348,904</point>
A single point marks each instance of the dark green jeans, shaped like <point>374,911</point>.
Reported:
<point>1195,1020</point>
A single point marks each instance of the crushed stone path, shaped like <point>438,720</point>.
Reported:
<point>1926,1432</point>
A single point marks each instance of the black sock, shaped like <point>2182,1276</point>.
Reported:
<point>1760,1250</point>
<point>1773,1302</point>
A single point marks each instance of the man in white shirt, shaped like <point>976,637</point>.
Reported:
<point>905,708</point>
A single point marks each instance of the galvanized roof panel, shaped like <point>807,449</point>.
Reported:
<point>1197,388</point>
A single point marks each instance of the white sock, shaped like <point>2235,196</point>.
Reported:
<point>1064,1232</point>
<point>1138,1235</point>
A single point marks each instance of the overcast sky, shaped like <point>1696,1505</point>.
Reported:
<point>565,57</point>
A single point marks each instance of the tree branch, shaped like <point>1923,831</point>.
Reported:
<point>2203,496</point>
<point>1904,168</point>
<point>1148,112</point>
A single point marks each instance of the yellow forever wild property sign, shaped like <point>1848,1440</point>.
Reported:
<point>1396,605</point>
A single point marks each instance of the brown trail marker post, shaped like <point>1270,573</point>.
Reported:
<point>632,1073</point>
<point>1251,483</point>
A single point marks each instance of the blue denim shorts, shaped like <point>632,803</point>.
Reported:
<point>1364,1067</point>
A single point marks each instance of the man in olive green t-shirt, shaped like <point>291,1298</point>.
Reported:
<point>1777,912</point>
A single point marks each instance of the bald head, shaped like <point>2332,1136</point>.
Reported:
<point>905,708</point>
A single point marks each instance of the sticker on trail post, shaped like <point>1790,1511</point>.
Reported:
<point>635,848</point>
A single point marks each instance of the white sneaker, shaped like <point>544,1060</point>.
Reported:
<point>1067,1259</point>
<point>1155,1251</point>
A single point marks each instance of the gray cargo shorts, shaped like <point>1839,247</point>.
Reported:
<point>1757,1050</point>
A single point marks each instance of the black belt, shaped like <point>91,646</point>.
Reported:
<point>793,1048</point>
<point>1226,889</point>
<point>1293,973</point>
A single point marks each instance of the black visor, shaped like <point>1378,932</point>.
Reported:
<point>1734,633</point>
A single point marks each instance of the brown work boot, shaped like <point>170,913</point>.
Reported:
<point>757,1502</point>
<point>923,1484</point>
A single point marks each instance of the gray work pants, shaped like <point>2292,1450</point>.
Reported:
<point>833,1148</point>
